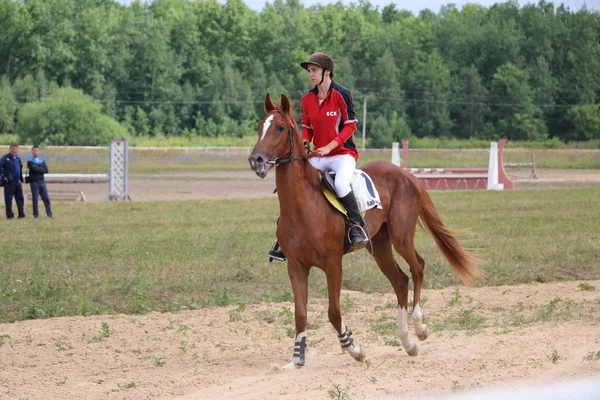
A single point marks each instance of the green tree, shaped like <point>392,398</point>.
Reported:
<point>389,97</point>
<point>586,122</point>
<point>16,25</point>
<point>430,93</point>
<point>67,117</point>
<point>470,109</point>
<point>8,107</point>
<point>513,112</point>
<point>25,89</point>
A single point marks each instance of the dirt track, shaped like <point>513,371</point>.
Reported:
<point>523,334</point>
<point>225,353</point>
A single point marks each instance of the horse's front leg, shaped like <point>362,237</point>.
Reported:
<point>334,287</point>
<point>299,279</point>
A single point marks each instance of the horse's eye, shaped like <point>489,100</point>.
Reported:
<point>280,128</point>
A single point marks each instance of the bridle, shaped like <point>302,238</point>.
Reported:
<point>287,157</point>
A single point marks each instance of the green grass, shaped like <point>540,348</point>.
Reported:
<point>102,258</point>
<point>592,356</point>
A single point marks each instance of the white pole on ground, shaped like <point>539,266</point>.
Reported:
<point>396,154</point>
<point>492,183</point>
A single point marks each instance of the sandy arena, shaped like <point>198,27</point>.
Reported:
<point>225,353</point>
<point>220,353</point>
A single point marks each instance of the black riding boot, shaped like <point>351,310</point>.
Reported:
<point>276,253</point>
<point>356,234</point>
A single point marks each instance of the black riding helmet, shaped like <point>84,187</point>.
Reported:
<point>322,60</point>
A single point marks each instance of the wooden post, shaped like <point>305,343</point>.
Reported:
<point>404,153</point>
<point>364,137</point>
<point>533,173</point>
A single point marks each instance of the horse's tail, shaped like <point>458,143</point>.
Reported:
<point>464,263</point>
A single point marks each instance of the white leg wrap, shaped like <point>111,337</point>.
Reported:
<point>297,359</point>
<point>409,346</point>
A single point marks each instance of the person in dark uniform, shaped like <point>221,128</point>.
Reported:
<point>11,175</point>
<point>37,168</point>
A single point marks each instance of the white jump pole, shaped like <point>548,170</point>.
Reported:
<point>119,169</point>
<point>492,183</point>
<point>396,154</point>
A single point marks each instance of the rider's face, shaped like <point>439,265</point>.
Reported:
<point>314,74</point>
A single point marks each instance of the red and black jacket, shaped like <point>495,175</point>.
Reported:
<point>333,119</point>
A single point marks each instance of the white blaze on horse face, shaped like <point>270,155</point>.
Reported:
<point>266,126</point>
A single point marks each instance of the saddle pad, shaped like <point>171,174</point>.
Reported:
<point>365,191</point>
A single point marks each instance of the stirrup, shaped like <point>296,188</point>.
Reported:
<point>363,234</point>
<point>275,253</point>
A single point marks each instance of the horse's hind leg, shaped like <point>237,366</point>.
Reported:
<point>406,248</point>
<point>382,252</point>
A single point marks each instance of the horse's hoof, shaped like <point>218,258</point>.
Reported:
<point>423,335</point>
<point>292,365</point>
<point>413,351</point>
<point>359,354</point>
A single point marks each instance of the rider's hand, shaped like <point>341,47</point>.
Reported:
<point>307,146</point>
<point>322,151</point>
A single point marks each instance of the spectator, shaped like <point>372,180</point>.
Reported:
<point>37,168</point>
<point>11,175</point>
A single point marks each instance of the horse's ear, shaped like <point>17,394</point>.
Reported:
<point>268,104</point>
<point>285,104</point>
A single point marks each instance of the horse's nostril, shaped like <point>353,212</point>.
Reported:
<point>256,161</point>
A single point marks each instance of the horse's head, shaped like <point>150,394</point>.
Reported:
<point>275,137</point>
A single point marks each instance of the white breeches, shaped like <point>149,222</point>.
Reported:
<point>343,165</point>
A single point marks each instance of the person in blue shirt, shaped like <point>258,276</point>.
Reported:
<point>37,168</point>
<point>11,175</point>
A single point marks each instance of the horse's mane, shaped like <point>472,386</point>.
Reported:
<point>312,174</point>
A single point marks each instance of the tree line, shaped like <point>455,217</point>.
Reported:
<point>77,71</point>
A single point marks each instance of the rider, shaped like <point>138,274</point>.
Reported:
<point>329,120</point>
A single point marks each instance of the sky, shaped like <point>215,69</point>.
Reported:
<point>417,6</point>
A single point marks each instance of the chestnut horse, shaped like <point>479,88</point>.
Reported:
<point>311,232</point>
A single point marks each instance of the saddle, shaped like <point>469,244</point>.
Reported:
<point>364,191</point>
<point>362,186</point>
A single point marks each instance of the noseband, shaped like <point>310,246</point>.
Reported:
<point>287,157</point>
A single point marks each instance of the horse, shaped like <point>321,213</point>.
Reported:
<point>311,232</point>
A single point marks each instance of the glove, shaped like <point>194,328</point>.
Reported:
<point>307,146</point>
